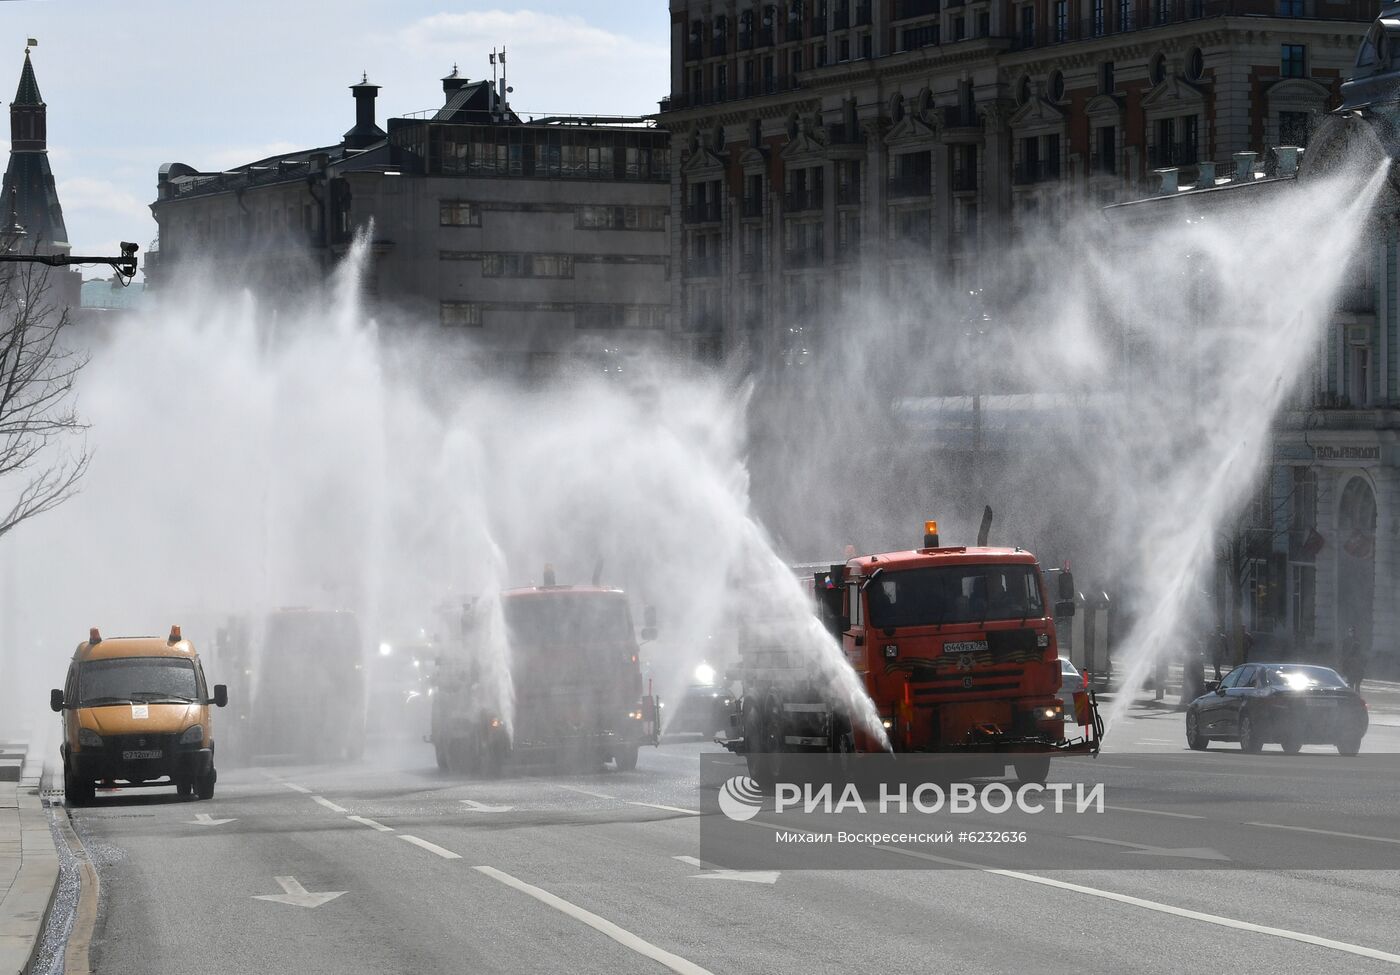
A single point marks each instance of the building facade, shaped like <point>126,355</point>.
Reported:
<point>29,195</point>
<point>825,146</point>
<point>540,239</point>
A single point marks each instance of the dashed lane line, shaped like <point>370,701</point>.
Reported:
<point>365,821</point>
<point>1328,832</point>
<point>297,788</point>
<point>1154,812</point>
<point>657,805</point>
<point>621,935</point>
<point>446,854</point>
<point>328,804</point>
<point>585,792</point>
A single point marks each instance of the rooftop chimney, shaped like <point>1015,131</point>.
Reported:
<point>365,133</point>
<point>1170,179</point>
<point>1244,167</point>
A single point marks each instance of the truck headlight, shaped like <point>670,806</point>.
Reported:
<point>194,735</point>
<point>87,738</point>
<point>704,674</point>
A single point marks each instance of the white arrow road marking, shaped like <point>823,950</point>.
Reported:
<point>1185,852</point>
<point>297,895</point>
<point>720,873</point>
<point>204,819</point>
<point>329,805</point>
<point>474,806</point>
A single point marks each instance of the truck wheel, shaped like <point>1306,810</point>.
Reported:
<point>204,785</point>
<point>183,787</point>
<point>1032,769</point>
<point>625,758</point>
<point>761,771</point>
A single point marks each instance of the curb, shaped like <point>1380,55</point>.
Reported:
<point>25,836</point>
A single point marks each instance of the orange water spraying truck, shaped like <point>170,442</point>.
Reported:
<point>955,646</point>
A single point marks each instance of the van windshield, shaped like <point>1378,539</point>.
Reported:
<point>137,680</point>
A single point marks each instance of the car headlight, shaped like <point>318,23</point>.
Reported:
<point>704,674</point>
<point>194,735</point>
<point>87,738</point>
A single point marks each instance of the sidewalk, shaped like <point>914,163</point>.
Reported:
<point>28,861</point>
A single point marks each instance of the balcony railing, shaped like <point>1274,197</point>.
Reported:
<point>1103,165</point>
<point>1117,20</point>
<point>1358,299</point>
<point>702,267</point>
<point>960,117</point>
<point>702,213</point>
<point>1036,171</point>
<point>751,206</point>
<point>910,185</point>
<point>1177,154</point>
<point>812,255</point>
<point>802,201</point>
<point>904,9</point>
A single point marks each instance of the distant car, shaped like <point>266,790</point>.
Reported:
<point>704,707</point>
<point>1072,681</point>
<point>1292,704</point>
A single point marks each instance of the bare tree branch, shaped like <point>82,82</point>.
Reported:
<point>38,372</point>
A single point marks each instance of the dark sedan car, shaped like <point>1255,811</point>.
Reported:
<point>1292,704</point>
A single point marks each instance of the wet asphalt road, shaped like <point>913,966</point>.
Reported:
<point>582,873</point>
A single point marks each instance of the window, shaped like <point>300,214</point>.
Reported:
<point>1261,505</point>
<point>867,46</point>
<point>1061,20</point>
<point>1028,25</point>
<point>959,28</point>
<point>456,213</point>
<point>1359,385</point>
<point>1303,509</point>
<point>614,316</point>
<point>457,314</point>
<point>620,218</point>
<point>914,38</point>
<point>721,82</point>
<point>1157,69</point>
<point>527,266</point>
<point>1057,87</point>
<point>1290,8</point>
<point>984,24</point>
<point>1301,600</point>
<point>1293,128</point>
<point>1106,150</point>
<point>1293,61</point>
<point>1106,79</point>
<point>1096,18</point>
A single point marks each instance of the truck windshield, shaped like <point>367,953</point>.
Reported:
<point>562,618</point>
<point>954,594</point>
<point>137,680</point>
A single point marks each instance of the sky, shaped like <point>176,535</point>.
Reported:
<point>137,83</point>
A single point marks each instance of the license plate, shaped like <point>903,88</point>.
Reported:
<point>142,753</point>
<point>965,646</point>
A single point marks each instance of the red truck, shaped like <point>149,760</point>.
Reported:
<point>955,646</point>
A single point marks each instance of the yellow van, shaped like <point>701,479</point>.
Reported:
<point>136,709</point>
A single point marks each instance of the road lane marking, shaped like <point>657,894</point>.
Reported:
<point>474,806</point>
<point>1216,919</point>
<point>329,805</point>
<point>595,795</point>
<point>363,821</point>
<point>297,895</point>
<point>1185,853</point>
<point>1153,812</point>
<point>657,805</point>
<point>722,873</point>
<point>431,847</point>
<point>204,819</point>
<point>297,788</point>
<point>1329,832</point>
<point>622,936</point>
